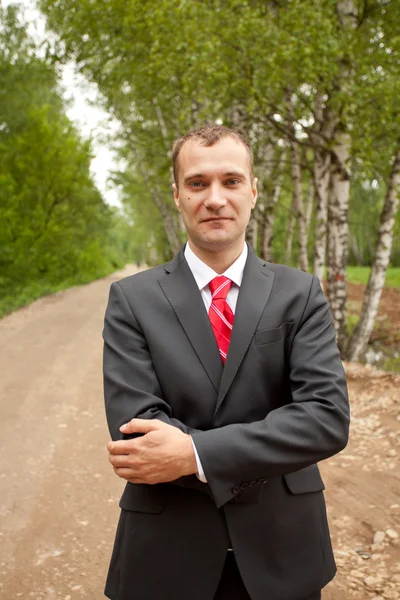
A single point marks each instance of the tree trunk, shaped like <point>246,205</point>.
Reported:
<point>339,191</point>
<point>289,235</point>
<point>268,223</point>
<point>323,131</point>
<point>299,205</point>
<point>353,242</point>
<point>362,332</point>
<point>168,220</point>
<point>252,230</point>
<point>309,206</point>
<point>321,178</point>
<point>297,189</point>
<point>268,217</point>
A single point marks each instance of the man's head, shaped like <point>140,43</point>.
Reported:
<point>208,136</point>
<point>214,187</point>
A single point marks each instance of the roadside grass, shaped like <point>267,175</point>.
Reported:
<point>23,295</point>
<point>361,275</point>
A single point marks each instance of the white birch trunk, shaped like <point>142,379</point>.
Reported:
<point>289,235</point>
<point>298,203</point>
<point>267,228</point>
<point>339,192</point>
<point>309,205</point>
<point>299,206</point>
<point>362,332</point>
<point>321,179</point>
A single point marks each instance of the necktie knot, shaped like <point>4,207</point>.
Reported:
<point>219,287</point>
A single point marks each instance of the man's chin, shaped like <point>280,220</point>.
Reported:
<point>217,239</point>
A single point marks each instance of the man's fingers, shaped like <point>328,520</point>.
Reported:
<point>141,426</point>
<point>119,460</point>
<point>128,475</point>
<point>124,472</point>
<point>120,447</point>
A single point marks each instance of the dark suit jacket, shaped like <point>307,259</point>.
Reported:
<point>260,424</point>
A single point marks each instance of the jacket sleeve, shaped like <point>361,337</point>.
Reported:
<point>311,428</point>
<point>131,386</point>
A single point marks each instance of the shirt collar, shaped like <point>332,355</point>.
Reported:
<point>203,274</point>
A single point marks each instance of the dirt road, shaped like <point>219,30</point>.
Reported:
<point>59,497</point>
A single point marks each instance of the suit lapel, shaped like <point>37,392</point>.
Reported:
<point>253,296</point>
<point>182,292</point>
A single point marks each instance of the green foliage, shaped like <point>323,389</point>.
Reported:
<point>164,67</point>
<point>55,227</point>
<point>147,238</point>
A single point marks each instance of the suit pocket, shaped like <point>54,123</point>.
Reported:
<point>268,336</point>
<point>142,498</point>
<point>305,481</point>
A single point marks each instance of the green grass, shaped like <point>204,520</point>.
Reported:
<point>361,275</point>
<point>23,294</point>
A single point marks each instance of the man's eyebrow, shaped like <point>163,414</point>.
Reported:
<point>203,175</point>
<point>234,174</point>
<point>194,176</point>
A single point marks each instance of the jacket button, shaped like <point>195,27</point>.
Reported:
<point>244,485</point>
<point>262,481</point>
<point>236,489</point>
<point>252,483</point>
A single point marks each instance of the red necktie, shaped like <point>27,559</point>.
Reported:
<point>220,313</point>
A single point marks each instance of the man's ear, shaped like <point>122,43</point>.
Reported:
<point>176,196</point>
<point>254,192</point>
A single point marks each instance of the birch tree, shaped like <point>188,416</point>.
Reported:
<point>363,330</point>
<point>271,195</point>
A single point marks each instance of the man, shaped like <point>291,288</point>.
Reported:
<point>223,379</point>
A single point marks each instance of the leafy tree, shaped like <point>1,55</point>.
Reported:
<point>54,223</point>
<point>318,78</point>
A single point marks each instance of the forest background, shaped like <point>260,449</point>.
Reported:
<point>314,84</point>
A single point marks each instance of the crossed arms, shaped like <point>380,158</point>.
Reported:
<point>311,428</point>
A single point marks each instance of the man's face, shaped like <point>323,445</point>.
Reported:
<point>216,192</point>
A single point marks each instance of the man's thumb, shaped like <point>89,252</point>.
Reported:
<point>140,426</point>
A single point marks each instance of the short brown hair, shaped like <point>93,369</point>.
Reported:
<point>208,135</point>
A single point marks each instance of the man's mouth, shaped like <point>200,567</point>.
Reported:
<point>216,219</point>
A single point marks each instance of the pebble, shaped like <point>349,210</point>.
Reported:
<point>379,537</point>
<point>391,595</point>
<point>355,573</point>
<point>396,568</point>
<point>392,452</point>
<point>372,581</point>
<point>341,553</point>
<point>377,547</point>
<point>392,534</point>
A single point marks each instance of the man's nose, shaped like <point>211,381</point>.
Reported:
<point>216,197</point>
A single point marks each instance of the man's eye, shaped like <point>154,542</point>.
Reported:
<point>232,181</point>
<point>196,184</point>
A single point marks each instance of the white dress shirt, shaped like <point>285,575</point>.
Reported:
<point>203,274</point>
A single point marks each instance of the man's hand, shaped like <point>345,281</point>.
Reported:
<point>163,454</point>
